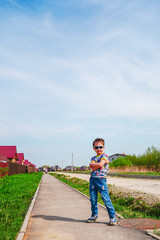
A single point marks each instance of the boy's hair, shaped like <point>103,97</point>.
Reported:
<point>99,140</point>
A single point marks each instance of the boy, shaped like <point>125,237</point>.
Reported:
<point>99,165</point>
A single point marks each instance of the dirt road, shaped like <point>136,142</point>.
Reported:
<point>150,186</point>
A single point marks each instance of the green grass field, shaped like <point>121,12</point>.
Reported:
<point>127,207</point>
<point>16,193</point>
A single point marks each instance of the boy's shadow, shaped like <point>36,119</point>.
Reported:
<point>58,218</point>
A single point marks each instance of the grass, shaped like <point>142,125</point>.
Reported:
<point>16,193</point>
<point>128,207</point>
<point>157,232</point>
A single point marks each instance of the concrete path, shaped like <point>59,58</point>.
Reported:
<point>60,213</point>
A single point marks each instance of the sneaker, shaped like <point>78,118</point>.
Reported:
<point>112,221</point>
<point>92,219</point>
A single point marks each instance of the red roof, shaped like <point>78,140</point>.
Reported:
<point>20,157</point>
<point>25,162</point>
<point>8,152</point>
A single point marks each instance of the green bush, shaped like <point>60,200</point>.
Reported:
<point>121,162</point>
<point>150,159</point>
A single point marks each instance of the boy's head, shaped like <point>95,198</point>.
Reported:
<point>98,145</point>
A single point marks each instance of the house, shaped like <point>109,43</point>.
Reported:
<point>8,153</point>
<point>25,162</point>
<point>40,169</point>
<point>20,157</point>
<point>30,167</point>
<point>83,168</point>
<point>69,168</point>
<point>34,166</point>
<point>56,168</point>
<point>115,156</point>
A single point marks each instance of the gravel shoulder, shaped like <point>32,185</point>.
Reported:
<point>145,189</point>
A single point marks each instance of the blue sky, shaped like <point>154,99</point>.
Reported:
<point>71,71</point>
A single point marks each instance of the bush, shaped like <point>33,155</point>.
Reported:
<point>121,162</point>
<point>150,159</point>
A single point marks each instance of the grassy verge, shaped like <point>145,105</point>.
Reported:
<point>16,193</point>
<point>128,207</point>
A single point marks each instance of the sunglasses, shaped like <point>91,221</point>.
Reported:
<point>99,147</point>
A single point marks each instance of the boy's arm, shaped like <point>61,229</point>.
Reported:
<point>95,166</point>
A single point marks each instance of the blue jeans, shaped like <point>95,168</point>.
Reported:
<point>100,184</point>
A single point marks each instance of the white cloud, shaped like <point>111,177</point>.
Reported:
<point>15,128</point>
<point>121,87</point>
<point>14,3</point>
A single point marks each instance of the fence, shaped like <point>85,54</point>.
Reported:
<point>14,168</point>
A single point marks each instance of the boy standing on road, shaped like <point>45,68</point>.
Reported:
<point>99,165</point>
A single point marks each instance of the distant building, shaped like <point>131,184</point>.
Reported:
<point>69,168</point>
<point>83,168</point>
<point>25,162</point>
<point>8,153</point>
<point>40,169</point>
<point>34,167</point>
<point>115,156</point>
<point>49,169</point>
<point>20,157</point>
<point>56,168</point>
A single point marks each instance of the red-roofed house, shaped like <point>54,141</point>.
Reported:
<point>20,157</point>
<point>31,167</point>
<point>34,166</point>
<point>8,153</point>
<point>25,162</point>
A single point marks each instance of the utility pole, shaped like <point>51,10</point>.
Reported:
<point>72,161</point>
<point>62,165</point>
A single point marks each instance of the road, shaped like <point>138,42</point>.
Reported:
<point>150,186</point>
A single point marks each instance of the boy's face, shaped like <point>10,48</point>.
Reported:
<point>98,148</point>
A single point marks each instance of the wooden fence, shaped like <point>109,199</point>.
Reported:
<point>14,168</point>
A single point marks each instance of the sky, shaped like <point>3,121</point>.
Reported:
<point>72,71</point>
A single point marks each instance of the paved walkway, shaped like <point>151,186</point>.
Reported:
<point>60,213</point>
